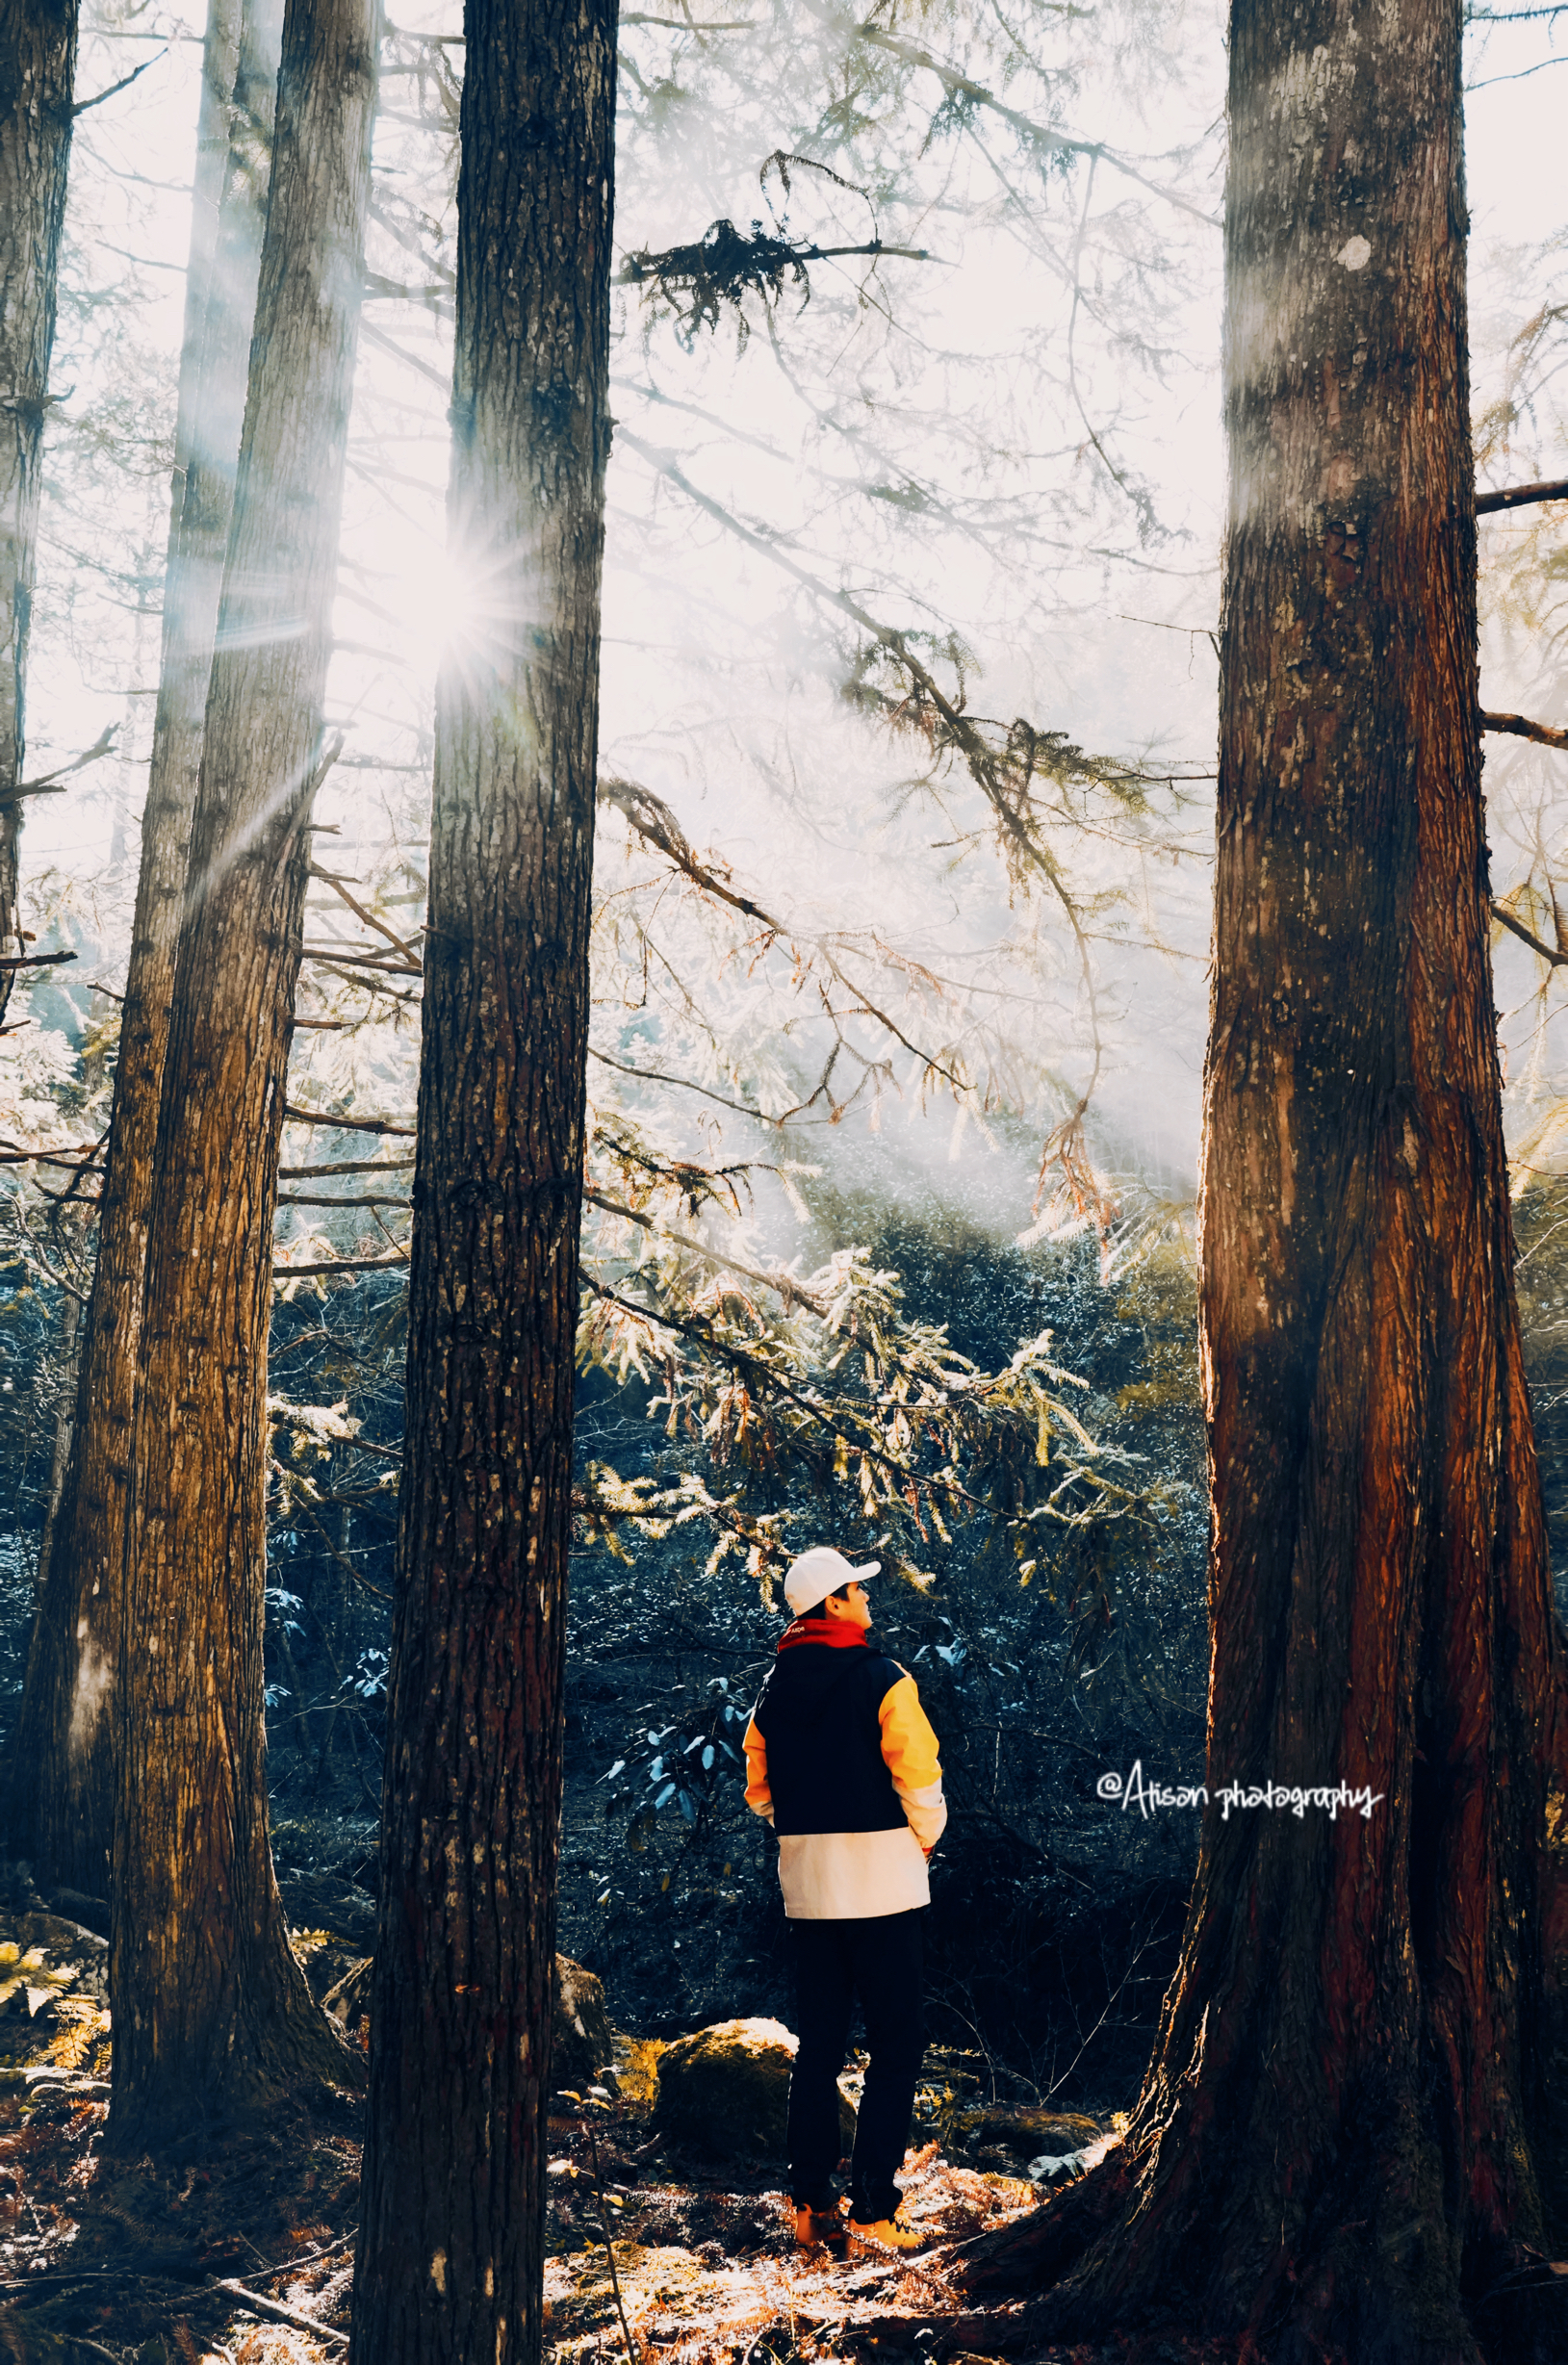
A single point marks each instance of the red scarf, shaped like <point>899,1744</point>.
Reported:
<point>835,1633</point>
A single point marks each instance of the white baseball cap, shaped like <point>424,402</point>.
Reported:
<point>819,1572</point>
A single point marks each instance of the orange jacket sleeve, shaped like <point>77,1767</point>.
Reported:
<point>908,1750</point>
<point>759,1796</point>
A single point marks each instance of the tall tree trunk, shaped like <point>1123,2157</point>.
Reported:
<point>70,1356</point>
<point>38,75</point>
<point>61,1775</point>
<point>452,2250</point>
<point>210,2009</point>
<point>1343,2148</point>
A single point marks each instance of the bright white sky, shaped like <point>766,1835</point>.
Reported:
<point>1107,670</point>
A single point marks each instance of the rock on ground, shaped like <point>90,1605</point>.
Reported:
<point>581,2038</point>
<point>725,2091</point>
<point>1015,2140</point>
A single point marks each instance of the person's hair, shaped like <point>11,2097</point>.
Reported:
<point>819,1610</point>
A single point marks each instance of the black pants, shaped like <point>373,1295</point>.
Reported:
<point>880,1963</point>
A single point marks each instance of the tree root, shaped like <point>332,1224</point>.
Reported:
<point>1035,2253</point>
<point>1357,2290</point>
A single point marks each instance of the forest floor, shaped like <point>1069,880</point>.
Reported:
<point>244,2256</point>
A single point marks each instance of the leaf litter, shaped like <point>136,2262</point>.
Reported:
<point>243,2253</point>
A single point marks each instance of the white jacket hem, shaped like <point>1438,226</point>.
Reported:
<point>852,1875</point>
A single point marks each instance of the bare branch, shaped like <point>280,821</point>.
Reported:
<point>654,1075</point>
<point>1521,726</point>
<point>50,783</point>
<point>343,1165</point>
<point>1519,496</point>
<point>411,361</point>
<point>146,67</point>
<point>302,1198</point>
<point>1516,927</point>
<point>339,887</point>
<point>347,1124</point>
<point>338,1264</point>
<point>657,825</point>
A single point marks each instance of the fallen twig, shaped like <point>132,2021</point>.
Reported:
<point>609,2246</point>
<point>281,2313</point>
<point>311,2258</point>
<point>92,2274</point>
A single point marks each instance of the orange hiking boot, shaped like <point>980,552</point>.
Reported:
<point>887,2233</point>
<point>820,2229</point>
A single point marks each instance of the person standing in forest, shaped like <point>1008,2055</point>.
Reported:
<point>842,1760</point>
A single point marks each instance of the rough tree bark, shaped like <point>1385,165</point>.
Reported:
<point>38,75</point>
<point>62,1786</point>
<point>451,2242</point>
<point>212,2013</point>
<point>67,1360</point>
<point>1343,2148</point>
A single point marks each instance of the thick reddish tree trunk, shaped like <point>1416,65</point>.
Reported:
<point>63,1800</point>
<point>212,2013</point>
<point>451,2242</point>
<point>1343,2149</point>
<point>38,73</point>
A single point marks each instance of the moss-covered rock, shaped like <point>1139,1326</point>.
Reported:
<point>582,2039</point>
<point>725,2091</point>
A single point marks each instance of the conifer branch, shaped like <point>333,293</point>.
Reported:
<point>782,1283</point>
<point>1516,927</point>
<point>657,825</point>
<point>1520,727</point>
<point>1040,138</point>
<point>1521,496</point>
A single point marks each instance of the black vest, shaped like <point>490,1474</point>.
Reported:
<point>818,1715</point>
